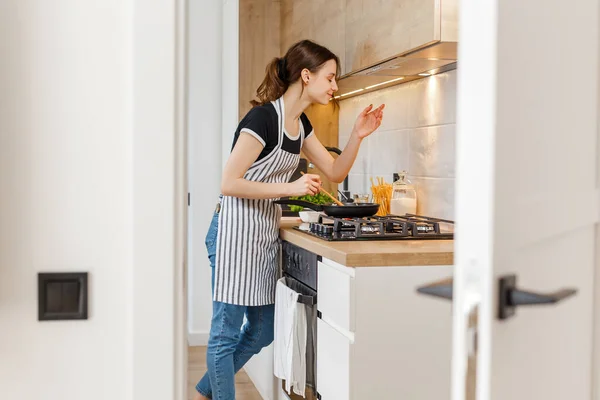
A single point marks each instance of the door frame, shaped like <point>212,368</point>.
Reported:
<point>159,179</point>
<point>157,328</point>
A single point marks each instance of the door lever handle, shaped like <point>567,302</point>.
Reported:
<point>510,297</point>
<point>441,289</point>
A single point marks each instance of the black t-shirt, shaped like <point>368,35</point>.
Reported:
<point>262,123</point>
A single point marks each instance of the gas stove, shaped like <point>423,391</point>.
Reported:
<point>391,227</point>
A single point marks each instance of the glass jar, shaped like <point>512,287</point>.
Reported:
<point>361,198</point>
<point>404,196</point>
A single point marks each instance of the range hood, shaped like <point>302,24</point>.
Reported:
<point>417,64</point>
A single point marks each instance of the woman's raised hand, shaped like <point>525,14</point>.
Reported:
<point>368,121</point>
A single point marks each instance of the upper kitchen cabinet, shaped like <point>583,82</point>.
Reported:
<point>377,30</point>
<point>322,21</point>
<point>396,41</point>
<point>380,43</point>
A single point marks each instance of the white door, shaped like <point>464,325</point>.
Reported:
<point>526,199</point>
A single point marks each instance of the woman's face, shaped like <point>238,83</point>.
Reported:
<point>321,85</point>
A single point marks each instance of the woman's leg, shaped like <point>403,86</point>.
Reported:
<point>257,333</point>
<point>224,337</point>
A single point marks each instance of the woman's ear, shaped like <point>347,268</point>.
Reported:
<point>305,74</point>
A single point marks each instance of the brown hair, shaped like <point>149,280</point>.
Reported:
<point>282,72</point>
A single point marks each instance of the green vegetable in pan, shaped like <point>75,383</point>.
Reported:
<point>318,199</point>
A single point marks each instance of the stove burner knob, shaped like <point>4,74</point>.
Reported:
<point>319,228</point>
<point>313,227</point>
<point>328,229</point>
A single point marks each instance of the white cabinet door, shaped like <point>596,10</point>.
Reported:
<point>333,363</point>
<point>336,295</point>
<point>526,197</point>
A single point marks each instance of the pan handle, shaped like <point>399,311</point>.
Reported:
<point>301,203</point>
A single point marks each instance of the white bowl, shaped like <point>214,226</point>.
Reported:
<point>309,216</point>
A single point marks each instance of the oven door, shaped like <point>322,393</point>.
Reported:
<point>309,298</point>
<point>300,264</point>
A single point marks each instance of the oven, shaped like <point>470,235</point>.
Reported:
<point>299,268</point>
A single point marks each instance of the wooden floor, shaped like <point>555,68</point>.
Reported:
<point>244,388</point>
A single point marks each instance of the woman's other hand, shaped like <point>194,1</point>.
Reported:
<point>307,184</point>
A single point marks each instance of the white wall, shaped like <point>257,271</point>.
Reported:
<point>91,170</point>
<point>417,135</point>
<point>205,46</point>
<point>66,194</point>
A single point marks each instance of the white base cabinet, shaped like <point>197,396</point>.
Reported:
<point>333,362</point>
<point>378,338</point>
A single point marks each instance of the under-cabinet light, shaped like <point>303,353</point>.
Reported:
<point>352,92</point>
<point>383,83</point>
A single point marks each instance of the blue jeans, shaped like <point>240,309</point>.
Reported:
<point>229,348</point>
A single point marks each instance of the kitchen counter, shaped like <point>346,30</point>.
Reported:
<point>372,253</point>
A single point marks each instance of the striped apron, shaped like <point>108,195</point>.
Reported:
<point>247,262</point>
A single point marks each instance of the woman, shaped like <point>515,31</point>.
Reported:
<point>242,241</point>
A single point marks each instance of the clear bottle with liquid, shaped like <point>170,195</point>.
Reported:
<point>404,196</point>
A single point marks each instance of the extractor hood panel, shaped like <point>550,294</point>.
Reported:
<point>433,59</point>
<point>403,66</point>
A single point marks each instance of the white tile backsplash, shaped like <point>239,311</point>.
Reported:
<point>432,151</point>
<point>347,119</point>
<point>435,197</point>
<point>386,143</point>
<point>418,134</point>
<point>358,182</point>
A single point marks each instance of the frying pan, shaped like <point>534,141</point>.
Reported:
<point>348,210</point>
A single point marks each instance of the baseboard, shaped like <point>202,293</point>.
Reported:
<point>197,338</point>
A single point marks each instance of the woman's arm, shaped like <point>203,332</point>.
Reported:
<point>336,169</point>
<point>244,154</point>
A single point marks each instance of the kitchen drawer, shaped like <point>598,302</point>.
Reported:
<point>336,295</point>
<point>333,363</point>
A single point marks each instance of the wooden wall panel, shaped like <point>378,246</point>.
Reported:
<point>259,36</point>
<point>325,121</point>
<point>296,22</point>
<point>322,21</point>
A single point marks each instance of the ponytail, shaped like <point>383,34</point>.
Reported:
<point>275,83</point>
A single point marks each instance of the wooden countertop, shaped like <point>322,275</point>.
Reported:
<point>372,253</point>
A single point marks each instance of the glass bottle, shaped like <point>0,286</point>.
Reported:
<point>404,196</point>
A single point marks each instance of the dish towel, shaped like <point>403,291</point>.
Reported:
<point>290,339</point>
